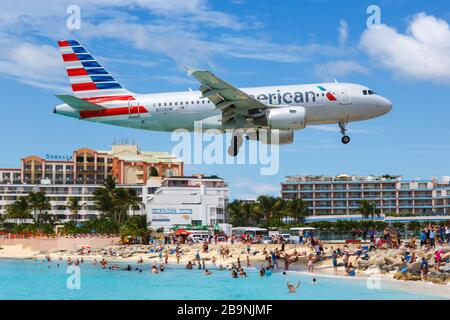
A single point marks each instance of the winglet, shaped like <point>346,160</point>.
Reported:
<point>189,70</point>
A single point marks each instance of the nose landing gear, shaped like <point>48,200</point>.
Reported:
<point>343,128</point>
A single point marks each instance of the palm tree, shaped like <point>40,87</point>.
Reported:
<point>368,209</point>
<point>269,207</point>
<point>74,206</point>
<point>19,210</point>
<point>104,197</point>
<point>38,203</point>
<point>234,209</point>
<point>115,202</point>
<point>297,209</point>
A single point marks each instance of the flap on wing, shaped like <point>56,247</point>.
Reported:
<point>78,104</point>
<point>219,91</point>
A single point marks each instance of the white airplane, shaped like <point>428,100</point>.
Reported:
<point>98,97</point>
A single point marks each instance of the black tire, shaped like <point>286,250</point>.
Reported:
<point>345,139</point>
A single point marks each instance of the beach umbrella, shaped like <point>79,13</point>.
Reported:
<point>182,232</point>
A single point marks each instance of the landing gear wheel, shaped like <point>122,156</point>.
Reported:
<point>343,129</point>
<point>236,143</point>
<point>345,139</point>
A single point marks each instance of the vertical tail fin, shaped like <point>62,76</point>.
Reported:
<point>89,80</point>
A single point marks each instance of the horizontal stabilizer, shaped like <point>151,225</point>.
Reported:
<point>78,104</point>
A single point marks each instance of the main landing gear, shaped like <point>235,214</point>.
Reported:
<point>343,128</point>
<point>236,143</point>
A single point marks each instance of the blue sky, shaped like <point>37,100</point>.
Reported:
<point>247,43</point>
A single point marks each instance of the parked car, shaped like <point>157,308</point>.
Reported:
<point>285,236</point>
<point>267,240</point>
<point>198,237</point>
<point>221,239</point>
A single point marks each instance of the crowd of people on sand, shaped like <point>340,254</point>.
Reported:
<point>346,258</point>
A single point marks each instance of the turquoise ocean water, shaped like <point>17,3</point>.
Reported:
<point>28,279</point>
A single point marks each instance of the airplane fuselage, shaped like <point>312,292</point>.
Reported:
<point>324,103</point>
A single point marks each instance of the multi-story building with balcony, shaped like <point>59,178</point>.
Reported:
<point>127,163</point>
<point>340,196</point>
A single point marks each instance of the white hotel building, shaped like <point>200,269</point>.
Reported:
<point>194,200</point>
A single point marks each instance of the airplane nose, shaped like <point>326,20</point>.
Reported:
<point>385,105</point>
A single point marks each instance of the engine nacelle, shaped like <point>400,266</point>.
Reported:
<point>271,136</point>
<point>286,118</point>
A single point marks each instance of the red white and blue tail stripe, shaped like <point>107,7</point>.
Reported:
<point>89,80</point>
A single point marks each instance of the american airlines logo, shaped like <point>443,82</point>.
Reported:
<point>293,97</point>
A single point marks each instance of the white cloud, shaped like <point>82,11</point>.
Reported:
<point>187,32</point>
<point>422,53</point>
<point>332,70</point>
<point>343,32</point>
<point>36,65</point>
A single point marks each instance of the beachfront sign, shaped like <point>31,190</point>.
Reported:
<point>171,211</point>
<point>57,157</point>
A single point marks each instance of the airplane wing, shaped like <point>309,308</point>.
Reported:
<point>78,104</point>
<point>232,101</point>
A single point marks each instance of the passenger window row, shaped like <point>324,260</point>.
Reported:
<point>181,103</point>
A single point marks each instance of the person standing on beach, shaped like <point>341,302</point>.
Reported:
<point>345,259</point>
<point>310,263</point>
<point>286,261</point>
<point>274,259</point>
<point>334,259</point>
<point>432,236</point>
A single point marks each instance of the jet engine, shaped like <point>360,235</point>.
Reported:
<point>286,118</point>
<point>271,136</point>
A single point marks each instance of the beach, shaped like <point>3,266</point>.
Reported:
<point>109,249</point>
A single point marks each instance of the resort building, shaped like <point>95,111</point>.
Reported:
<point>193,200</point>
<point>59,195</point>
<point>127,163</point>
<point>339,197</point>
<point>168,198</point>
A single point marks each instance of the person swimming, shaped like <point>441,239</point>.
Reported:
<point>127,268</point>
<point>234,274</point>
<point>207,272</point>
<point>291,287</point>
<point>314,281</point>
<point>154,269</point>
<point>242,273</point>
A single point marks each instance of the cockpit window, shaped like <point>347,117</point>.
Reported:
<point>365,92</point>
<point>371,92</point>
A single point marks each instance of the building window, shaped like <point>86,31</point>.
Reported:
<point>422,185</point>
